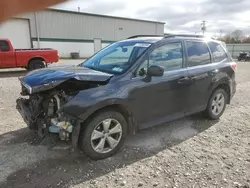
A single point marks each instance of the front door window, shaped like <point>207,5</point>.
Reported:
<point>168,56</point>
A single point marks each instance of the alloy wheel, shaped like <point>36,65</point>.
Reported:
<point>106,135</point>
<point>218,104</point>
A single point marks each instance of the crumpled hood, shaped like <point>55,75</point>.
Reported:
<point>52,77</point>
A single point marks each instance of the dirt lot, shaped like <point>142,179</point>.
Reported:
<point>191,152</point>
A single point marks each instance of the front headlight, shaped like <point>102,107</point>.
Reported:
<point>27,87</point>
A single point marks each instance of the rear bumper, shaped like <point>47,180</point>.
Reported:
<point>49,63</point>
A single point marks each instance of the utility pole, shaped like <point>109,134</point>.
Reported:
<point>203,27</point>
<point>221,33</point>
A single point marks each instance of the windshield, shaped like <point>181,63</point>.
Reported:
<point>117,57</point>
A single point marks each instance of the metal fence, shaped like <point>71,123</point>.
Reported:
<point>235,49</point>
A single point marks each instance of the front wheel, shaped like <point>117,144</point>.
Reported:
<point>104,135</point>
<point>216,104</point>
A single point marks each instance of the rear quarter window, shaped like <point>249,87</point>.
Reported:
<point>218,52</point>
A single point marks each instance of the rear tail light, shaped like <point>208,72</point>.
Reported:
<point>234,66</point>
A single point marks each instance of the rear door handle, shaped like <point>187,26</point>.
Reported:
<point>183,80</point>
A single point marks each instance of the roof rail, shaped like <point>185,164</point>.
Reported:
<point>184,35</point>
<point>137,36</point>
<point>171,35</point>
<point>187,35</point>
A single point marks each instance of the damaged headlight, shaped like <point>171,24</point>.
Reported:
<point>29,89</point>
<point>40,88</point>
<point>43,87</point>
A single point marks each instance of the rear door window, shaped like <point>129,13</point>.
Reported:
<point>198,53</point>
<point>218,53</point>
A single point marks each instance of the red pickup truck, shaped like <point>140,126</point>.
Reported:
<point>30,59</point>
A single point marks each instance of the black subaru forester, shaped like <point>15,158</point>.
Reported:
<point>130,85</point>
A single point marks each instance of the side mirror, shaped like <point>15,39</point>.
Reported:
<point>155,70</point>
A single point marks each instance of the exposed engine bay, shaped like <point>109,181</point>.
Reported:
<point>40,110</point>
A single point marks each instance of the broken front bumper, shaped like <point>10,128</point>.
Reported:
<point>23,109</point>
<point>33,123</point>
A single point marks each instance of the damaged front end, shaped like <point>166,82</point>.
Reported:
<point>39,112</point>
<point>40,104</point>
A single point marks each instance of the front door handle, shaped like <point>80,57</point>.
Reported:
<point>183,80</point>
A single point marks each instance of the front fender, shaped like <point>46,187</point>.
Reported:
<point>84,112</point>
<point>88,101</point>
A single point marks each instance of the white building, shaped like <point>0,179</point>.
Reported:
<point>69,31</point>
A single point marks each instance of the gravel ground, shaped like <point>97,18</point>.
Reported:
<point>191,152</point>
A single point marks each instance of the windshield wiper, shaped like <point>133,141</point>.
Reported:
<point>80,65</point>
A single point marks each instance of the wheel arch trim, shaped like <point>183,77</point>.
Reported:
<point>119,105</point>
<point>36,58</point>
<point>226,85</point>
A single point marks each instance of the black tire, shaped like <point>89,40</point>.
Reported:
<point>85,136</point>
<point>36,64</point>
<point>208,112</point>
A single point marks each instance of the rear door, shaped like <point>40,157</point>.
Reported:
<point>163,98</point>
<point>200,71</point>
<point>7,56</point>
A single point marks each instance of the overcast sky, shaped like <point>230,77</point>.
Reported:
<point>180,16</point>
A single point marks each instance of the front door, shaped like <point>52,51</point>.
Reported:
<point>7,57</point>
<point>163,98</point>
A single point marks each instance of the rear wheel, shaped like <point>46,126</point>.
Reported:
<point>216,104</point>
<point>104,135</point>
<point>36,64</point>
